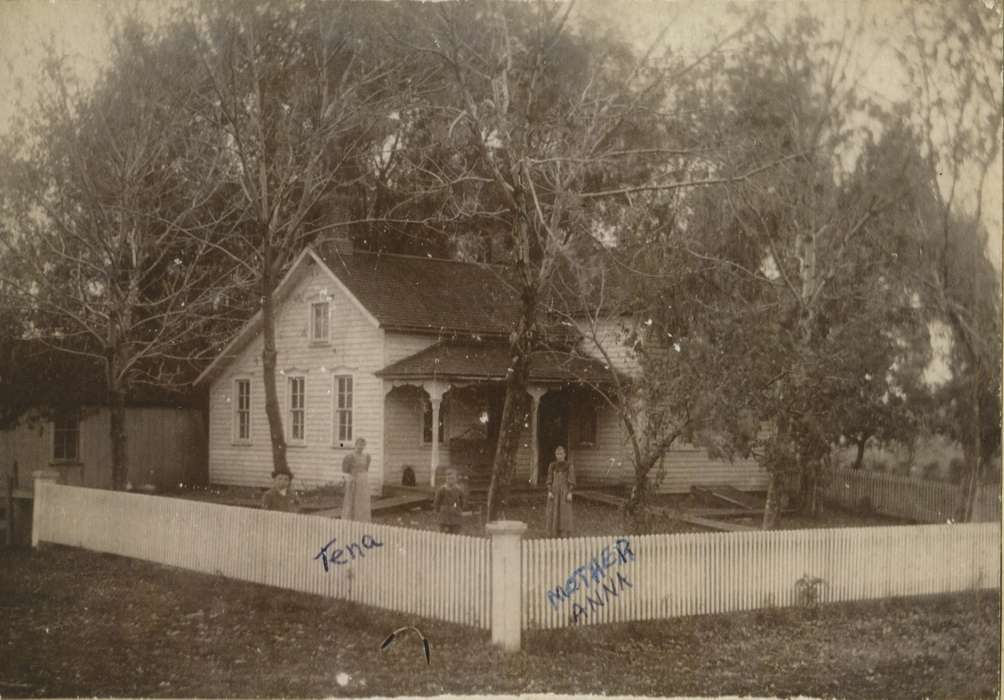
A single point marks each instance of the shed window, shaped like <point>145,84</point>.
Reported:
<point>343,407</point>
<point>297,409</point>
<point>66,438</point>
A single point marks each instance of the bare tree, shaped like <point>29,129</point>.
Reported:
<point>97,201</point>
<point>546,128</point>
<point>293,100</point>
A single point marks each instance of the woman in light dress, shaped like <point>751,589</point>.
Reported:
<point>355,468</point>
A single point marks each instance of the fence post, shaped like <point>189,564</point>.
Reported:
<point>506,583</point>
<point>39,476</point>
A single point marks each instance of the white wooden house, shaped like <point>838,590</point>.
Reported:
<point>385,347</point>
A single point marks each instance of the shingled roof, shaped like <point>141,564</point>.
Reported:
<point>416,294</point>
<point>490,360</point>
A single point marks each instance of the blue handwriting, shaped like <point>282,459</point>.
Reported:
<point>354,549</point>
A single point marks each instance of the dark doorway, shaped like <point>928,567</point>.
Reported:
<point>552,430</point>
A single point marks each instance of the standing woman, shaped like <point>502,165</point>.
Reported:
<point>356,467</point>
<point>560,482</point>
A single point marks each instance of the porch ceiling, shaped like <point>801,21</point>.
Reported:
<point>486,360</point>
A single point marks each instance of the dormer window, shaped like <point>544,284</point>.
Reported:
<point>320,329</point>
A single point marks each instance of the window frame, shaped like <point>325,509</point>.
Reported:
<point>338,409</point>
<point>235,426</point>
<point>314,339</point>
<point>69,415</point>
<point>586,414</point>
<point>291,439</point>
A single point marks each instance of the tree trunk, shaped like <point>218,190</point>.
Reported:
<point>772,508</point>
<point>510,428</point>
<point>514,408</point>
<point>120,464</point>
<point>859,460</point>
<point>268,363</point>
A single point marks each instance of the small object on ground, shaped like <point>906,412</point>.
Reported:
<point>425,642</point>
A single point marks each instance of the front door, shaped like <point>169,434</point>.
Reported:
<point>552,427</point>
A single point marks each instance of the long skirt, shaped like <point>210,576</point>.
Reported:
<point>356,505</point>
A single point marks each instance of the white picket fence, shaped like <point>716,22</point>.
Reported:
<point>406,570</point>
<point>695,574</point>
<point>557,583</point>
<point>904,497</point>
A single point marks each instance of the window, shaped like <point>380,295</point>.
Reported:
<point>297,409</point>
<point>242,410</point>
<point>66,438</point>
<point>343,408</point>
<point>586,425</point>
<point>427,422</point>
<point>319,322</point>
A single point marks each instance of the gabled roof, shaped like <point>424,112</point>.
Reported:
<point>406,293</point>
<point>474,360</point>
<point>426,295</point>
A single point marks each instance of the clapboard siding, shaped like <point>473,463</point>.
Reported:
<point>609,335</point>
<point>164,447</point>
<point>356,349</point>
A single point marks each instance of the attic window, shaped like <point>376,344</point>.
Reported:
<point>66,438</point>
<point>319,326</point>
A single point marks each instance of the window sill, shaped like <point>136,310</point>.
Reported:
<point>242,443</point>
<point>297,445</point>
<point>320,344</point>
<point>65,463</point>
<point>585,446</point>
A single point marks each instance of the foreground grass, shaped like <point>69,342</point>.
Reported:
<point>79,623</point>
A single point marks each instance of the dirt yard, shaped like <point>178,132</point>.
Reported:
<point>591,519</point>
<point>76,623</point>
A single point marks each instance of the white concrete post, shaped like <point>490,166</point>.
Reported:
<point>506,584</point>
<point>38,500</point>
<point>536,392</point>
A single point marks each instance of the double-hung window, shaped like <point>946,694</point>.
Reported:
<point>343,408</point>
<point>242,410</point>
<point>66,438</point>
<point>320,327</point>
<point>297,408</point>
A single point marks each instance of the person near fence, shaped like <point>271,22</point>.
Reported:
<point>355,469</point>
<point>449,503</point>
<point>560,484</point>
<point>281,496</point>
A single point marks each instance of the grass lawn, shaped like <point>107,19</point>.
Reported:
<point>76,623</point>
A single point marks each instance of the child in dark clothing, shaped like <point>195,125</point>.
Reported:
<point>449,504</point>
<point>279,497</point>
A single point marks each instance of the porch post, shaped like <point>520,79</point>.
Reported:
<point>435,391</point>
<point>536,392</point>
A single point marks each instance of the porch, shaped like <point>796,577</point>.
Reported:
<point>460,388</point>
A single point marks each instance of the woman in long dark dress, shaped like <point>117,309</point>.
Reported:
<point>356,468</point>
<point>560,483</point>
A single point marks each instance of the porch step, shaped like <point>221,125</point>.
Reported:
<point>382,504</point>
<point>715,524</point>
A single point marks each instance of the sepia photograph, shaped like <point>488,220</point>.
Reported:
<point>501,348</point>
